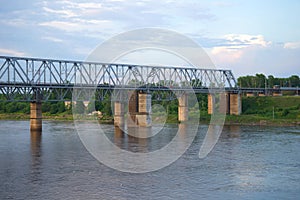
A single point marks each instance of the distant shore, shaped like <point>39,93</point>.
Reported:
<point>248,120</point>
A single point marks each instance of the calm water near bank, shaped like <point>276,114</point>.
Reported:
<point>248,162</point>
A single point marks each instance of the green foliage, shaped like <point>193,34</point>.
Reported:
<point>202,101</point>
<point>91,107</point>
<point>61,107</point>
<point>14,107</point>
<point>283,107</point>
<point>285,112</point>
<point>79,108</point>
<point>261,81</point>
<point>53,109</point>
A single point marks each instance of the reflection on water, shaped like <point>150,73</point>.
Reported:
<point>35,144</point>
<point>36,154</point>
<point>232,131</point>
<point>246,163</point>
<point>134,139</point>
<point>142,139</point>
<point>210,140</point>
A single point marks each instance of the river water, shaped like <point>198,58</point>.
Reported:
<point>248,162</point>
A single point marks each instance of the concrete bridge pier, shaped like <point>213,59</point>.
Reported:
<point>183,108</point>
<point>235,104</point>
<point>139,110</point>
<point>228,103</point>
<point>132,109</point>
<point>211,103</point>
<point>224,101</point>
<point>119,111</point>
<point>36,116</point>
<point>144,110</point>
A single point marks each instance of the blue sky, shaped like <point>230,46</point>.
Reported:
<point>246,36</point>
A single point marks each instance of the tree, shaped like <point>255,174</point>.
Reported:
<point>79,107</point>
<point>294,81</point>
<point>61,107</point>
<point>53,109</point>
<point>260,80</point>
<point>271,81</point>
<point>91,107</point>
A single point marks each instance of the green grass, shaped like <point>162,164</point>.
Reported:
<point>255,110</point>
<point>284,107</point>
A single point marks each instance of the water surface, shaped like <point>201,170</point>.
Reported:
<point>248,162</point>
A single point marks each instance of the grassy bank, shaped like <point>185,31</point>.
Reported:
<point>285,107</point>
<point>204,118</point>
<point>255,111</point>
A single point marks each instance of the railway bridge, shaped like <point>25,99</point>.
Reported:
<point>37,80</point>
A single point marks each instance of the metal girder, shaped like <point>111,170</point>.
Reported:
<point>20,76</point>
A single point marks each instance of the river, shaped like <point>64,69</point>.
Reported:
<point>248,162</point>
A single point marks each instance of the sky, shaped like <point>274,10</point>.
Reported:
<point>247,37</point>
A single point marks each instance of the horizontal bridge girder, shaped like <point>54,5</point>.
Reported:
<point>20,75</point>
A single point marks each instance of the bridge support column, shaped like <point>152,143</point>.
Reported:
<point>224,101</point>
<point>211,103</point>
<point>36,116</point>
<point>235,104</point>
<point>183,108</point>
<point>132,109</point>
<point>119,114</point>
<point>139,110</point>
<point>144,115</point>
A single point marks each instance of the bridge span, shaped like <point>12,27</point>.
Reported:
<point>38,80</point>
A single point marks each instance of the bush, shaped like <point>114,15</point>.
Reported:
<point>285,112</point>
<point>53,109</point>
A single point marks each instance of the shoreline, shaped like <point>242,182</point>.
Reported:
<point>242,120</point>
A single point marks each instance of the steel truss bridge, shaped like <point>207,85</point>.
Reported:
<point>32,79</point>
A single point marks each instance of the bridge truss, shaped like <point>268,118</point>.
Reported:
<point>31,79</point>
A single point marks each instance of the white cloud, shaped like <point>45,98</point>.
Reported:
<point>235,46</point>
<point>130,14</point>
<point>11,52</point>
<point>18,22</point>
<point>244,40</point>
<point>78,25</point>
<point>87,5</point>
<point>256,56</point>
<point>52,39</point>
<point>222,4</point>
<point>65,13</point>
<point>225,54</point>
<point>292,45</point>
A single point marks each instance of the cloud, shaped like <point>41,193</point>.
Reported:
<point>248,54</point>
<point>52,39</point>
<point>70,9</point>
<point>235,45</point>
<point>225,54</point>
<point>11,52</point>
<point>79,25</point>
<point>222,4</point>
<point>64,13</point>
<point>127,14</point>
<point>244,40</point>
<point>17,22</point>
<point>76,5</point>
<point>292,45</point>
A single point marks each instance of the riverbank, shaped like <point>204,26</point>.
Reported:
<point>252,120</point>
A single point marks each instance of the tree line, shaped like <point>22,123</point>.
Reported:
<point>105,106</point>
<point>262,81</point>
